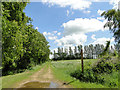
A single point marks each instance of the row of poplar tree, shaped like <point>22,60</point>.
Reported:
<point>89,52</point>
<point>22,45</point>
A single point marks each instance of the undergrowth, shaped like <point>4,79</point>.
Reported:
<point>100,71</point>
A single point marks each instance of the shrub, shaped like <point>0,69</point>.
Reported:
<point>87,76</point>
<point>112,84</point>
<point>105,65</point>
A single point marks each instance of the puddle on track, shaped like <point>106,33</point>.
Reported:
<point>37,84</point>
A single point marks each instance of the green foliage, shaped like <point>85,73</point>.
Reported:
<point>117,47</point>
<point>115,53</point>
<point>12,81</point>
<point>107,46</point>
<point>103,67</point>
<point>113,22</point>
<point>99,72</point>
<point>106,50</point>
<point>22,45</point>
<point>90,52</point>
<point>62,70</point>
<point>88,76</point>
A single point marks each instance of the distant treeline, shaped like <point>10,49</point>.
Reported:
<point>89,52</point>
<point>22,45</point>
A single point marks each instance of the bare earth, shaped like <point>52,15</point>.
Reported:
<point>44,76</point>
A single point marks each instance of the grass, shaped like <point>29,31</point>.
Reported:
<point>0,83</point>
<point>71,65</point>
<point>11,80</point>
<point>62,70</point>
<point>113,77</point>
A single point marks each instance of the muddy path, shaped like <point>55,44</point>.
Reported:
<point>42,79</point>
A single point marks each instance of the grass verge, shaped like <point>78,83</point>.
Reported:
<point>62,70</point>
<point>11,80</point>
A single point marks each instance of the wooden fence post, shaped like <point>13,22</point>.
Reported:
<point>82,61</point>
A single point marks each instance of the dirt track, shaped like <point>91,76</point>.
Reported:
<point>44,76</point>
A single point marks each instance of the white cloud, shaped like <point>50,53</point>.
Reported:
<point>49,34</point>
<point>67,12</point>
<point>99,0</point>
<point>113,39</point>
<point>54,32</point>
<point>86,12</point>
<point>80,25</point>
<point>100,18</point>
<point>74,39</point>
<point>75,30</point>
<point>72,12</point>
<point>70,0</point>
<point>36,28</point>
<point>102,40</point>
<point>59,33</point>
<point>73,4</point>
<point>100,12</point>
<point>44,33</point>
<point>93,37</point>
<point>115,3</point>
<point>52,37</point>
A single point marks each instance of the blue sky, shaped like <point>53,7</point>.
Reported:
<point>67,23</point>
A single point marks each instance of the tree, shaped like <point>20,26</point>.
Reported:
<point>13,22</point>
<point>66,53</point>
<point>75,52</point>
<point>117,47</point>
<point>55,55</point>
<point>86,51</point>
<point>79,50</point>
<point>70,53</point>
<point>113,22</point>
<point>89,52</point>
<point>22,45</point>
<point>98,49</point>
<point>91,48</point>
<point>106,50</point>
<point>62,54</point>
<point>59,52</point>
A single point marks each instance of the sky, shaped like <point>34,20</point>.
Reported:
<point>67,23</point>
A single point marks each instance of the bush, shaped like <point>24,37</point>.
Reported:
<point>95,74</point>
<point>87,76</point>
<point>117,66</point>
<point>106,65</point>
<point>112,84</point>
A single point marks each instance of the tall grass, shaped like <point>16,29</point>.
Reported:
<point>71,65</point>
<point>63,69</point>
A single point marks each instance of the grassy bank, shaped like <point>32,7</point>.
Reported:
<point>12,80</point>
<point>63,69</point>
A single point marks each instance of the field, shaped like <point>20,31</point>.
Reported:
<point>60,73</point>
<point>63,69</point>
